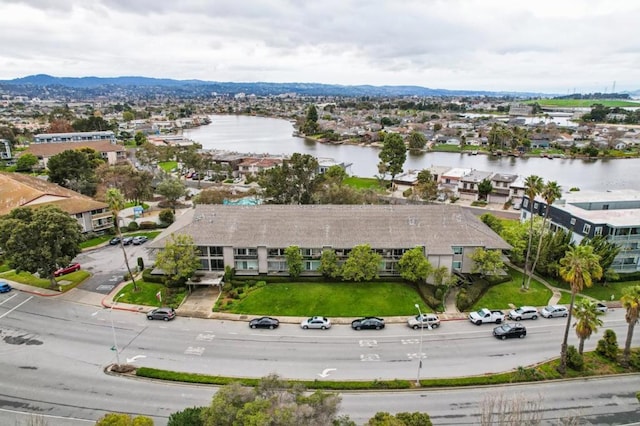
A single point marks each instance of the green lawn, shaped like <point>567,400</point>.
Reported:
<point>441,147</point>
<point>599,291</point>
<point>500,296</point>
<point>362,183</point>
<point>331,299</point>
<point>146,294</point>
<point>70,280</point>
<point>585,103</point>
<point>168,166</point>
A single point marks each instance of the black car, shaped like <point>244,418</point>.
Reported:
<point>368,323</point>
<point>165,314</point>
<point>264,322</point>
<point>506,331</point>
<point>114,241</point>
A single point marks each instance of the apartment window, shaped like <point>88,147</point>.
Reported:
<point>246,265</point>
<point>573,221</point>
<point>597,230</point>
<point>311,265</point>
<point>202,250</point>
<point>307,252</point>
<point>215,251</point>
<point>605,207</point>
<point>245,252</point>
<point>586,228</point>
<point>275,252</point>
<point>457,250</point>
<point>535,206</point>
<point>525,202</point>
<point>277,266</point>
<point>217,265</point>
<point>457,265</point>
<point>204,264</point>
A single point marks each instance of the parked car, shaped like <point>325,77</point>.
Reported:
<point>127,240</point>
<point>114,241</point>
<point>67,270</point>
<point>264,322</point>
<point>553,311</point>
<point>4,287</point>
<point>426,320</point>
<point>165,314</point>
<point>485,315</point>
<point>602,307</point>
<point>140,239</point>
<point>367,323</point>
<point>524,312</point>
<point>509,330</point>
<point>316,322</point>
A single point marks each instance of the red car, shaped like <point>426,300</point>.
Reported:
<point>67,270</point>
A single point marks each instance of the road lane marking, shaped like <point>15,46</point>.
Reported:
<point>368,343</point>
<point>205,337</point>
<point>191,350</point>
<point>15,307</point>
<point>410,341</point>
<point>369,357</point>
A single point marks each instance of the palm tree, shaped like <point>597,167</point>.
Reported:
<point>115,200</point>
<point>532,187</point>
<point>587,321</point>
<point>631,302</point>
<point>550,192</point>
<point>579,267</point>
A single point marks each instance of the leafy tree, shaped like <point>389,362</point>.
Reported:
<point>39,240</point>
<point>487,262</point>
<point>310,125</point>
<point>75,169</point>
<point>60,126</point>
<point>516,235</point>
<point>293,182</point>
<point>329,266</point>
<point>271,402</point>
<point>484,188</point>
<point>171,189</point>
<point>578,268</point>
<point>607,250</point>
<point>193,160</point>
<point>427,187</point>
<point>362,264</point>
<point>339,194</point>
<point>294,261</point>
<point>587,321</point>
<point>414,266</point>
<point>392,156</point>
<point>167,216</point>
<point>140,138</point>
<point>188,417</point>
<point>492,222</point>
<point>532,187</point>
<point>179,259</point>
<point>92,124</point>
<point>25,162</point>
<point>335,174</point>
<point>608,345</point>
<point>631,303</point>
<point>554,247</point>
<point>135,185</point>
<point>400,419</point>
<point>120,419</point>
<point>550,192</point>
<point>417,140</point>
<point>128,116</point>
<point>115,200</point>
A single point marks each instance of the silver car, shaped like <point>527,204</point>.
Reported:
<point>553,311</point>
<point>427,320</point>
<point>316,322</point>
<point>524,312</point>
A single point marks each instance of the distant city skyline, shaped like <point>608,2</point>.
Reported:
<point>495,45</point>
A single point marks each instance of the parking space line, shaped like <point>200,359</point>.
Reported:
<point>15,307</point>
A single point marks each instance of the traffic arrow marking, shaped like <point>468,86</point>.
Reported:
<point>325,372</point>
<point>135,358</point>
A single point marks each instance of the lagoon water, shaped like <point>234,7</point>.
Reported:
<point>259,135</point>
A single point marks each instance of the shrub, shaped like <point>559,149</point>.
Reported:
<point>148,225</point>
<point>141,264</point>
<point>407,193</point>
<point>187,417</point>
<point>229,272</point>
<point>575,360</point>
<point>133,226</point>
<point>167,216</point>
<point>157,279</point>
<point>608,345</point>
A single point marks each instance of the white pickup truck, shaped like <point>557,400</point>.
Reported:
<point>485,315</point>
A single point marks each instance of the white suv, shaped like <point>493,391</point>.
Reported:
<point>524,312</point>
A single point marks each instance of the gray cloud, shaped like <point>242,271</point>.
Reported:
<point>490,44</point>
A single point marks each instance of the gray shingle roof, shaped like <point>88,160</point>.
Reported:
<point>438,227</point>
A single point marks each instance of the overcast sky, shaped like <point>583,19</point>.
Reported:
<point>554,46</point>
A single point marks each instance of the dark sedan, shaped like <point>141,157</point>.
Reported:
<point>114,241</point>
<point>506,331</point>
<point>264,322</point>
<point>368,323</point>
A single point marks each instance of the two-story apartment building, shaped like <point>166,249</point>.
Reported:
<point>19,190</point>
<point>614,214</point>
<point>252,239</point>
<point>75,137</point>
<point>111,153</point>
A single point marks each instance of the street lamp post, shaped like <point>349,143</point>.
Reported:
<point>420,349</point>
<point>113,329</point>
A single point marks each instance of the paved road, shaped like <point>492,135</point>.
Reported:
<point>53,352</point>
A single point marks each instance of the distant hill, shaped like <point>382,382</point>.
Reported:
<point>231,88</point>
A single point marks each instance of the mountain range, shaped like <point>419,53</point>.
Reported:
<point>231,88</point>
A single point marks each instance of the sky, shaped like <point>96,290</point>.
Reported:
<point>549,46</point>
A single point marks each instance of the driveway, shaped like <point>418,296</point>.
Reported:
<point>199,302</point>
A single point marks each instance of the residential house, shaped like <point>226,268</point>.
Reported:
<point>502,189</point>
<point>5,149</point>
<point>325,163</point>
<point>18,190</point>
<point>253,239</point>
<point>251,166</point>
<point>111,153</point>
<point>406,180</point>
<point>450,180</point>
<point>614,214</point>
<point>468,184</point>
